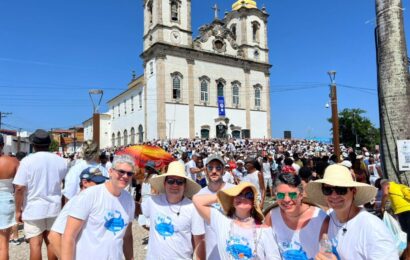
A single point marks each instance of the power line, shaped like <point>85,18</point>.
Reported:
<point>3,115</point>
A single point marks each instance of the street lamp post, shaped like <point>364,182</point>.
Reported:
<point>335,116</point>
<point>96,114</point>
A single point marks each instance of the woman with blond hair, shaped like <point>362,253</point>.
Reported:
<point>238,224</point>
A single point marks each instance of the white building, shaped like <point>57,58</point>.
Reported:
<point>177,96</point>
<point>105,130</point>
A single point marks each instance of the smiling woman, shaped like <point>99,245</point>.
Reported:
<point>239,230</point>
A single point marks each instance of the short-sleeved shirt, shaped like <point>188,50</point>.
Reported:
<point>366,237</point>
<point>61,220</point>
<point>171,228</point>
<point>41,173</point>
<point>210,236</point>
<point>235,242</point>
<point>106,218</point>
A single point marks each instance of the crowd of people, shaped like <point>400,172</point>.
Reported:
<point>219,199</point>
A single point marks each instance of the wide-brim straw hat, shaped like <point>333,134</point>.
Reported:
<point>176,169</point>
<point>338,175</point>
<point>225,198</point>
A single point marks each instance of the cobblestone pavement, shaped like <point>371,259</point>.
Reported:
<point>21,252</point>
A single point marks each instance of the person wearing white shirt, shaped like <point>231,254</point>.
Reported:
<point>89,177</point>
<point>174,231</point>
<point>99,224</point>
<point>38,184</point>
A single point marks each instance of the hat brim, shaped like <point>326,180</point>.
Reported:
<point>225,198</point>
<point>364,192</point>
<point>191,188</point>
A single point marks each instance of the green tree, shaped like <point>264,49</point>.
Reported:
<point>53,146</point>
<point>356,128</point>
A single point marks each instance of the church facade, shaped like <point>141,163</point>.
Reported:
<point>216,85</point>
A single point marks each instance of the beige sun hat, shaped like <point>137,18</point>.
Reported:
<point>225,198</point>
<point>175,169</point>
<point>338,175</point>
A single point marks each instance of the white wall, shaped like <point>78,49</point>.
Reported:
<point>259,126</point>
<point>151,88</point>
<point>178,117</point>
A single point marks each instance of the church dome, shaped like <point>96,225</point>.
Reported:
<point>244,3</point>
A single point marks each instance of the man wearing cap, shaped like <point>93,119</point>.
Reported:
<point>354,233</point>
<point>90,153</point>
<point>99,223</point>
<point>8,168</point>
<point>171,214</point>
<point>191,167</point>
<point>104,160</point>
<point>38,184</point>
<point>239,172</point>
<point>214,170</point>
<point>89,177</point>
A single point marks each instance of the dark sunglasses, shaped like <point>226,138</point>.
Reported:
<point>327,191</point>
<point>218,168</point>
<point>122,172</point>
<point>247,195</point>
<point>179,182</point>
<point>282,195</point>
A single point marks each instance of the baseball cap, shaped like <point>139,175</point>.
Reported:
<point>215,157</point>
<point>93,174</point>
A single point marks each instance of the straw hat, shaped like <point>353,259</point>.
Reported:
<point>225,197</point>
<point>337,175</point>
<point>176,169</point>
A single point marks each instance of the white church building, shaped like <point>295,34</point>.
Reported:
<point>215,85</point>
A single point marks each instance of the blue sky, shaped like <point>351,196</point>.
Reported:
<point>52,52</point>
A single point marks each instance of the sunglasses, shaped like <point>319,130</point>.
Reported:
<point>327,191</point>
<point>179,182</point>
<point>247,195</point>
<point>122,172</point>
<point>218,168</point>
<point>282,195</point>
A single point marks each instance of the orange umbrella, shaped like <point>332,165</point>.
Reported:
<point>144,153</point>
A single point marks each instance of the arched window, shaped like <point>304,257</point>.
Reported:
<point>258,96</point>
<point>174,10</point>
<point>204,80</point>
<point>220,89</point>
<point>125,137</point>
<point>233,30</point>
<point>118,138</point>
<point>176,85</point>
<point>132,135</point>
<point>113,139</point>
<point>255,31</point>
<point>235,95</point>
<point>140,134</point>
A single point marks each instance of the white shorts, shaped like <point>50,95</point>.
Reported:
<point>268,182</point>
<point>33,228</point>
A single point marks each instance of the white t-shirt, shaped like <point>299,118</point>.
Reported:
<point>106,218</point>
<point>300,244</point>
<point>210,236</point>
<point>72,180</point>
<point>366,238</point>
<point>170,235</point>
<point>266,170</point>
<point>254,179</point>
<point>238,243</point>
<point>41,173</point>
<point>228,178</point>
<point>61,221</point>
<point>191,164</point>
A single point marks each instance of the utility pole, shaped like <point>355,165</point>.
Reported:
<point>335,115</point>
<point>19,141</point>
<point>393,85</point>
<point>3,114</point>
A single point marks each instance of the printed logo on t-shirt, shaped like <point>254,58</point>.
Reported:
<point>293,251</point>
<point>238,248</point>
<point>217,206</point>
<point>114,221</point>
<point>164,226</point>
